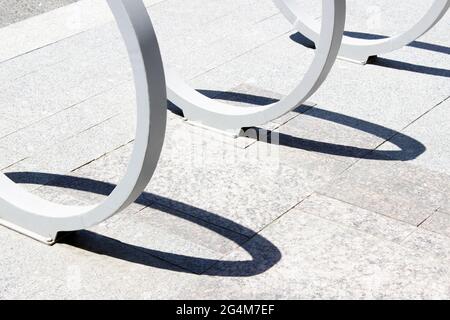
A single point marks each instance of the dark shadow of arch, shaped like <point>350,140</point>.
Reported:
<point>409,147</point>
<point>415,44</point>
<point>303,40</point>
<point>306,42</point>
<point>264,254</point>
<point>390,63</point>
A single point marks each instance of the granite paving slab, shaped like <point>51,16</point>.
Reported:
<point>346,197</point>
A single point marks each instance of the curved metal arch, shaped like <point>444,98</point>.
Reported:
<point>362,49</point>
<point>41,219</point>
<point>209,112</point>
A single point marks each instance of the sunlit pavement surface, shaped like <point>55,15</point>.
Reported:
<point>350,200</point>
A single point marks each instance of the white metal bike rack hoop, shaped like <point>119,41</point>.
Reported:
<point>212,113</point>
<point>41,219</point>
<point>360,50</point>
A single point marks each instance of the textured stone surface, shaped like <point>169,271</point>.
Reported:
<point>429,244</point>
<point>428,129</point>
<point>388,194</point>
<point>13,11</point>
<point>181,239</point>
<point>345,197</point>
<point>87,266</point>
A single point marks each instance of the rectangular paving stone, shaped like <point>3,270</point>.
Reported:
<point>175,237</point>
<point>337,135</point>
<point>57,90</point>
<point>357,218</point>
<point>214,19</point>
<point>209,195</point>
<point>63,196</point>
<point>426,54</point>
<point>39,31</point>
<point>207,57</point>
<point>429,244</point>
<point>80,149</point>
<point>13,11</point>
<point>414,174</point>
<point>367,187</point>
<point>322,260</point>
<point>429,131</point>
<point>250,187</point>
<point>439,222</point>
<point>8,126</point>
<point>262,67</point>
<point>66,49</point>
<point>370,93</point>
<point>8,158</point>
<point>379,18</point>
<point>70,122</point>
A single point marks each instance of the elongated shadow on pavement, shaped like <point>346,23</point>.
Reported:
<point>390,63</point>
<point>411,67</point>
<point>306,42</point>
<point>264,254</point>
<point>409,148</point>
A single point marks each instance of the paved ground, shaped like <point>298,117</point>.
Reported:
<point>354,202</point>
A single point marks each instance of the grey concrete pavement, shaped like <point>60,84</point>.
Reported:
<point>353,202</point>
<point>12,11</point>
